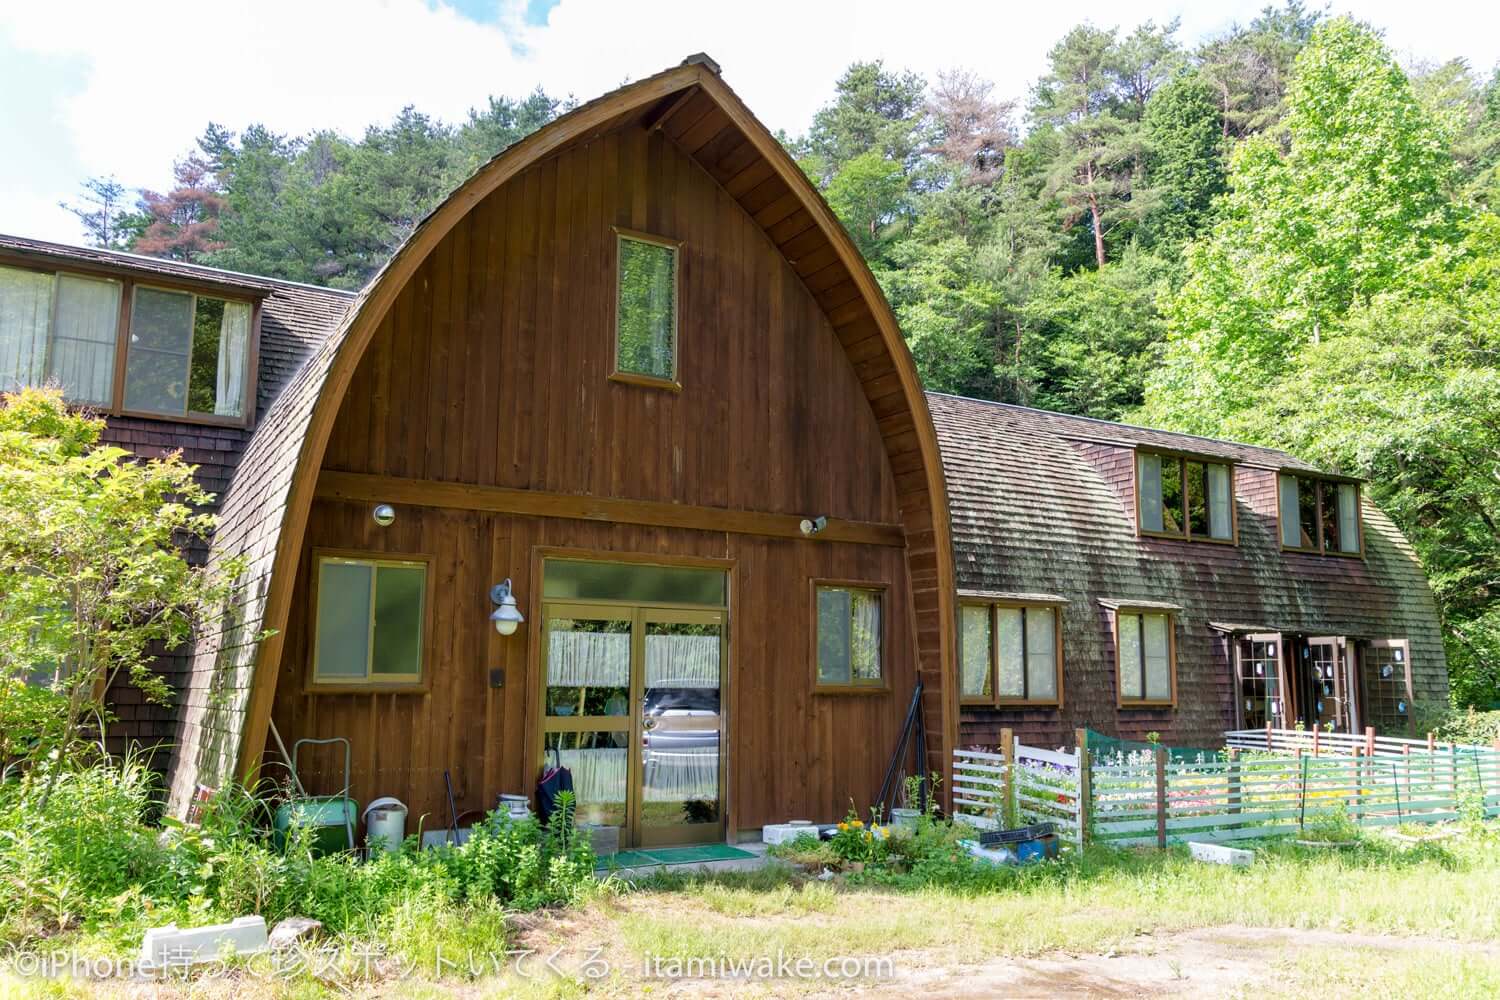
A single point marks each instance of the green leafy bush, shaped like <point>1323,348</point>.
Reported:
<point>89,858</point>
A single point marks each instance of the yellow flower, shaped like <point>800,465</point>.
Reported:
<point>857,824</point>
<point>843,826</point>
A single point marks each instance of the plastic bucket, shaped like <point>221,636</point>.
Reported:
<point>385,823</point>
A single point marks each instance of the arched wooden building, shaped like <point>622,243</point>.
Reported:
<point>623,456</point>
<point>619,368</point>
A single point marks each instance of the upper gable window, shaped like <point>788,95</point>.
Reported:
<point>646,309</point>
<point>187,354</point>
<point>59,328</point>
<point>1319,515</point>
<point>1180,497</point>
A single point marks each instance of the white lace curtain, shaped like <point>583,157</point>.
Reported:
<point>602,659</point>
<point>234,342</point>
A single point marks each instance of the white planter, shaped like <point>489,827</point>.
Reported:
<point>905,819</point>
<point>785,833</point>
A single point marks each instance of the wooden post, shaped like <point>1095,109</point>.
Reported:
<point>1316,732</point>
<point>1431,743</point>
<point>1268,737</point>
<point>1232,784</point>
<point>1009,811</point>
<point>1358,798</point>
<point>1085,803</point>
<point>1369,741</point>
<point>1161,797</point>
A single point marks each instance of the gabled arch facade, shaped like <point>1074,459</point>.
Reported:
<point>470,387</point>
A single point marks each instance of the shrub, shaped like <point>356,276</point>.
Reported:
<point>89,858</point>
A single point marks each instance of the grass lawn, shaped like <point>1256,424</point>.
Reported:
<point>1377,920</point>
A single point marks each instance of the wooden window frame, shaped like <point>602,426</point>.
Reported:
<point>1322,481</point>
<point>128,284</point>
<point>423,681</point>
<point>1120,700</point>
<point>1182,459</point>
<point>995,699</point>
<point>1237,661</point>
<point>673,384</point>
<point>1364,695</point>
<point>867,688</point>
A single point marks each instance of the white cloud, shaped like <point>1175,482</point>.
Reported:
<point>152,82</point>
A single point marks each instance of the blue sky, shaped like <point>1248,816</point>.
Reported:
<point>103,88</point>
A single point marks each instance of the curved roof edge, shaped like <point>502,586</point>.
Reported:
<point>232,683</point>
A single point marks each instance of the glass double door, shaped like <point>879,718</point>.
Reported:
<point>632,706</point>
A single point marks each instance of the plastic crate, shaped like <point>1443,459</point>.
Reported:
<point>1035,831</point>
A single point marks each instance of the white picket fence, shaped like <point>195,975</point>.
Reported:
<point>1148,799</point>
<point>1022,785</point>
<point>1293,741</point>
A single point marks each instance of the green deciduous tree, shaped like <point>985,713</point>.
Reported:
<point>93,578</point>
<point>1354,204</point>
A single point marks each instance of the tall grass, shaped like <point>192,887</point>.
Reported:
<point>90,860</point>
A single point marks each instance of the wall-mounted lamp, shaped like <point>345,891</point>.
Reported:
<point>506,615</point>
<point>812,525</point>
<point>383,514</point>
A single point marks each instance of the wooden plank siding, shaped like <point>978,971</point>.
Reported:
<point>505,335</point>
<point>478,355</point>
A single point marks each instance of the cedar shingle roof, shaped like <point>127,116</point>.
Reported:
<point>1043,503</point>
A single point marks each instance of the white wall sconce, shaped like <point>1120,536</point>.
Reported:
<point>506,615</point>
<point>812,525</point>
<point>383,514</point>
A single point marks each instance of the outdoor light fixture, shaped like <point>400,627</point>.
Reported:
<point>383,514</point>
<point>506,616</point>
<point>811,526</point>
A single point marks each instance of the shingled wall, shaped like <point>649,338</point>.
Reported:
<point>1043,503</point>
<point>295,319</point>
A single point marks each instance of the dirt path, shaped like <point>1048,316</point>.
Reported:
<point>1210,962</point>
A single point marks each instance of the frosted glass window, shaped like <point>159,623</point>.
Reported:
<point>848,637</point>
<point>1041,655</point>
<point>646,311</point>
<point>343,643</point>
<point>974,651</point>
<point>576,580</point>
<point>1011,642</point>
<point>399,592</point>
<point>1348,517</point>
<point>1290,533</point>
<point>25,319</point>
<point>369,621</point>
<point>1148,486</point>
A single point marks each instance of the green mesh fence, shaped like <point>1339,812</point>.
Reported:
<point>1106,749</point>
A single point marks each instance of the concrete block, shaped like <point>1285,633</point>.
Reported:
<point>164,947</point>
<point>1218,854</point>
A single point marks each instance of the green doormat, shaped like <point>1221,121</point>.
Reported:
<point>697,854</point>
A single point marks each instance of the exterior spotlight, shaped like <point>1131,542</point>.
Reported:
<point>506,616</point>
<point>383,514</point>
<point>812,525</point>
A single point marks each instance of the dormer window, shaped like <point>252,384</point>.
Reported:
<point>126,347</point>
<point>1180,496</point>
<point>1319,515</point>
